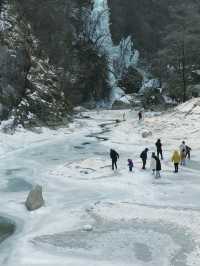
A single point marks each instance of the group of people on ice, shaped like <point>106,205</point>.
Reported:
<point>155,163</point>
<point>178,157</point>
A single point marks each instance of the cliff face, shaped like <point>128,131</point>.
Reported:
<point>30,90</point>
<point>145,21</point>
<point>46,65</point>
<point>59,27</point>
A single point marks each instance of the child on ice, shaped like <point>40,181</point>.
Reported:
<point>130,165</point>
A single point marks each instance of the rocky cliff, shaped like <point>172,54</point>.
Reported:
<point>145,21</point>
<point>59,25</point>
<point>30,88</point>
<point>46,65</point>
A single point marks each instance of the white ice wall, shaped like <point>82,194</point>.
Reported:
<point>121,56</point>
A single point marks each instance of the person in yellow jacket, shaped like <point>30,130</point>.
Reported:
<point>176,158</point>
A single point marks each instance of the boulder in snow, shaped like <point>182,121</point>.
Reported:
<point>146,134</point>
<point>35,199</point>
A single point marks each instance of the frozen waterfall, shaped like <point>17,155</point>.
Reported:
<point>121,56</point>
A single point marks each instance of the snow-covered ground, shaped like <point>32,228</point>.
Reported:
<point>93,216</point>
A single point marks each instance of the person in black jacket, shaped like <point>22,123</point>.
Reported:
<point>140,115</point>
<point>158,166</point>
<point>114,157</point>
<point>143,156</point>
<point>188,150</point>
<point>159,148</point>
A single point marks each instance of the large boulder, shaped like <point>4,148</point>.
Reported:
<point>35,199</point>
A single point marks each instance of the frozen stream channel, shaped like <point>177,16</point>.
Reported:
<point>93,216</point>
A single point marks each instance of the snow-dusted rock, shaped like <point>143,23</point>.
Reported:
<point>79,109</point>
<point>87,228</point>
<point>146,134</point>
<point>121,105</point>
<point>7,126</point>
<point>35,199</point>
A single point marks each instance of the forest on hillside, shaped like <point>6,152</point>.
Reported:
<point>168,35</point>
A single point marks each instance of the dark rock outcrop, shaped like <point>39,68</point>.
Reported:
<point>131,81</point>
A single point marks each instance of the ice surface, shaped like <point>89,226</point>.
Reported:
<point>135,219</point>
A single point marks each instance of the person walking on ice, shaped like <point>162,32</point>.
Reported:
<point>153,163</point>
<point>140,116</point>
<point>159,149</point>
<point>182,146</point>
<point>183,157</point>
<point>176,160</point>
<point>188,151</point>
<point>143,156</point>
<point>124,116</point>
<point>130,165</point>
<point>158,167</point>
<point>114,157</point>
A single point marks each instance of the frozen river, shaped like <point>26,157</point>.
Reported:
<point>93,216</point>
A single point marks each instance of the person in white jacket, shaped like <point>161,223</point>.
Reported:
<point>182,146</point>
<point>153,163</point>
